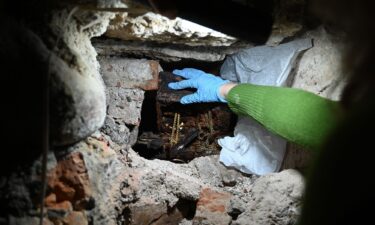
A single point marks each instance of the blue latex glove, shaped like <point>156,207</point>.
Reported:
<point>207,86</point>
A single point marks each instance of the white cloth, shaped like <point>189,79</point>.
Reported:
<point>253,149</point>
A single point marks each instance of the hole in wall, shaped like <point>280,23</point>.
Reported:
<point>172,131</point>
<point>187,208</point>
<point>234,214</point>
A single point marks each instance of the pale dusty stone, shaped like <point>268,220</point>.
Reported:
<point>154,27</point>
<point>77,89</point>
<point>128,73</point>
<point>275,199</point>
<point>76,218</point>
<point>146,211</point>
<point>124,79</point>
<point>123,114</point>
<point>320,70</point>
<point>186,222</point>
<point>119,132</point>
<point>165,51</point>
<point>121,181</point>
<point>208,170</point>
<point>125,104</point>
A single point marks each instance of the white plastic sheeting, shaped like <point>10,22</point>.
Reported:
<point>254,149</point>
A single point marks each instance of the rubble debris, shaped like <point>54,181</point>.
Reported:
<point>69,182</point>
<point>157,28</point>
<point>126,81</point>
<point>212,208</point>
<point>77,90</point>
<point>101,180</point>
<point>164,51</point>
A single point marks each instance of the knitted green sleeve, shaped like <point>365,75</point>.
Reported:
<point>299,116</point>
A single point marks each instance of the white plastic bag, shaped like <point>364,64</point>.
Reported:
<point>253,149</point>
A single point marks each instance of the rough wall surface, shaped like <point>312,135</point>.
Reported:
<point>289,19</point>
<point>154,27</point>
<point>78,97</point>
<point>130,189</point>
<point>165,52</point>
<point>93,183</point>
<point>99,179</point>
<point>126,80</point>
<point>319,71</point>
<point>161,192</point>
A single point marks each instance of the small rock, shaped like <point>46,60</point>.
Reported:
<point>320,68</point>
<point>213,208</point>
<point>186,222</point>
<point>59,210</point>
<point>146,211</point>
<point>123,116</point>
<point>208,170</point>
<point>275,199</point>
<point>76,218</point>
<point>229,176</point>
<point>118,131</point>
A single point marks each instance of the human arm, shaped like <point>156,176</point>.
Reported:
<point>299,116</point>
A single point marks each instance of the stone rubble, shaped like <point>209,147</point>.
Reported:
<point>153,191</point>
<point>94,176</point>
<point>126,80</point>
<point>165,51</point>
<point>154,27</point>
<point>104,186</point>
<point>77,90</point>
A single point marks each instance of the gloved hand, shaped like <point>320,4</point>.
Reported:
<point>207,85</point>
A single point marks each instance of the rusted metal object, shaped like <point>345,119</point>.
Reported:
<point>190,136</point>
<point>199,125</point>
<point>165,95</point>
<point>184,132</point>
<point>150,140</point>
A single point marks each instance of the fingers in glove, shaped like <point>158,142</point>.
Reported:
<point>193,98</point>
<point>182,84</point>
<point>188,73</point>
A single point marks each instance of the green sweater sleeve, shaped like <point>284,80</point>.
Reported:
<point>299,116</point>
